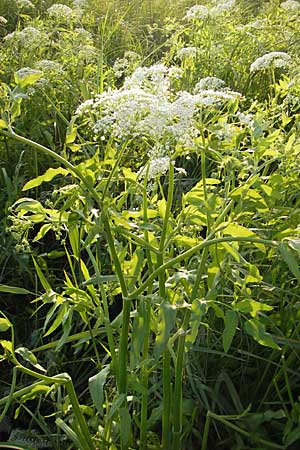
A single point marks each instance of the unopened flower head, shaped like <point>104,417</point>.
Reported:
<point>290,6</point>
<point>271,60</point>
<point>209,83</point>
<point>47,65</point>
<point>187,53</point>
<point>60,12</point>
<point>197,12</point>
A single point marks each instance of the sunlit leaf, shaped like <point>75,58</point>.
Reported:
<point>47,176</point>
<point>257,330</point>
<point>96,385</point>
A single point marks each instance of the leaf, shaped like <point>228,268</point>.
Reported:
<point>4,324</point>
<point>6,345</point>
<point>13,289</point>
<point>47,176</point>
<point>257,330</point>
<point>115,406</point>
<point>236,230</point>
<point>3,124</point>
<point>28,356</point>
<point>249,306</point>
<point>290,259</point>
<point>42,232</point>
<point>96,384</point>
<point>24,79</point>
<point>231,321</point>
<point>166,322</point>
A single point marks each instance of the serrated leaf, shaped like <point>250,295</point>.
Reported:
<point>13,289</point>
<point>96,385</point>
<point>257,330</point>
<point>231,321</point>
<point>47,176</point>
<point>4,324</point>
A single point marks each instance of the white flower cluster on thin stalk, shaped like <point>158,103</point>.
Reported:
<point>47,65</point>
<point>60,12</point>
<point>221,7</point>
<point>28,38</point>
<point>290,6</point>
<point>145,107</point>
<point>271,60</point>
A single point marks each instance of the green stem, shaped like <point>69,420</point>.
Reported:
<point>166,415</point>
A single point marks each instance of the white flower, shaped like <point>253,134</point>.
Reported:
<point>60,12</point>
<point>47,65</point>
<point>187,52</point>
<point>29,37</point>
<point>245,119</point>
<point>273,59</point>
<point>290,5</point>
<point>3,21</point>
<point>209,83</point>
<point>210,97</point>
<point>79,3</point>
<point>222,7</point>
<point>197,12</point>
<point>156,167</point>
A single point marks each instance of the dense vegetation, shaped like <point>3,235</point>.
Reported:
<point>149,224</point>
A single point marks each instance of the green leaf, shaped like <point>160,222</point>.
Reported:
<point>13,289</point>
<point>43,231</point>
<point>119,400</point>
<point>3,124</point>
<point>27,78</point>
<point>231,321</point>
<point>257,330</point>
<point>4,324</point>
<point>28,356</point>
<point>47,176</point>
<point>96,384</point>
<point>6,345</point>
<point>290,259</point>
<point>249,306</point>
<point>236,230</point>
<point>166,322</point>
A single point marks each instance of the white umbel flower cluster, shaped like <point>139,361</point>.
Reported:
<point>197,12</point>
<point>29,37</point>
<point>290,6</point>
<point>209,83</point>
<point>201,12</point>
<point>271,60</point>
<point>145,109</point>
<point>60,12</point>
